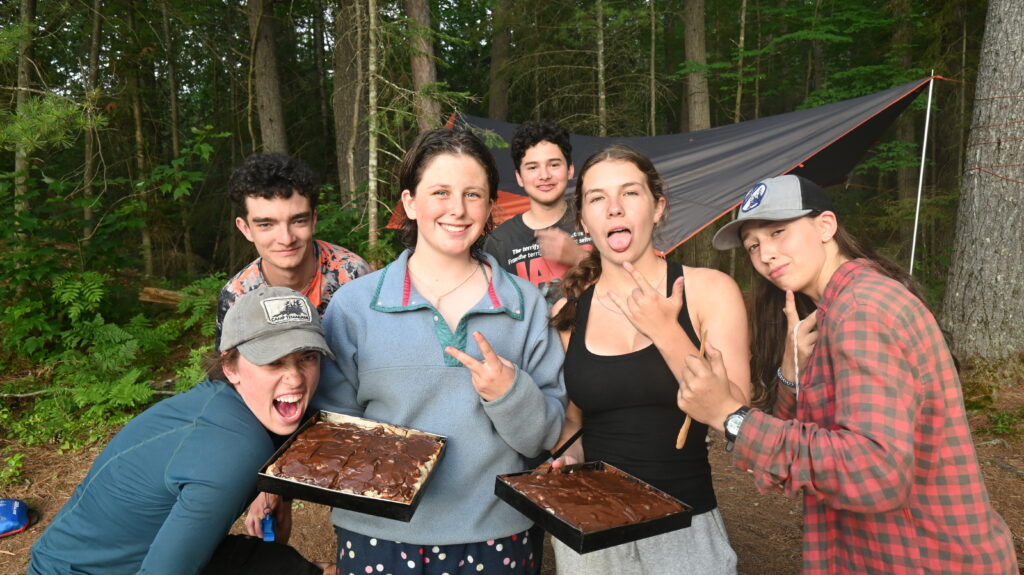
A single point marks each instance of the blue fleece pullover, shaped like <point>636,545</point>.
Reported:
<point>391,366</point>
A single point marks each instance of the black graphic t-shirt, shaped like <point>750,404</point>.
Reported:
<point>514,246</point>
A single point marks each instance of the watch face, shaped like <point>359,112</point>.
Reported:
<point>732,425</point>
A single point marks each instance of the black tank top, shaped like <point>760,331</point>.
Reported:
<point>630,416</point>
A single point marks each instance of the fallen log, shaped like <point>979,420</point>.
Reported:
<point>164,296</point>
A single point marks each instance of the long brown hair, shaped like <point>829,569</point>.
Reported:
<point>769,326</point>
<point>586,273</point>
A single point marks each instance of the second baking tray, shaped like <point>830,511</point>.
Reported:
<point>587,541</point>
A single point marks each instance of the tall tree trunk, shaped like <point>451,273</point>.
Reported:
<point>501,48</point>
<point>28,24</point>
<point>264,75</point>
<point>652,74</point>
<point>697,97</point>
<point>697,251</point>
<point>906,176</point>
<point>321,77</point>
<point>424,71</point>
<point>134,89</point>
<point>349,83</point>
<point>91,98</point>
<point>602,106</point>
<point>740,47</point>
<point>985,296</point>
<point>371,195</point>
<point>172,90</point>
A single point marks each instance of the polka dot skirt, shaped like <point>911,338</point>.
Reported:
<point>362,555</point>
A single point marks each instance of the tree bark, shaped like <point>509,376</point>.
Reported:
<point>135,88</point>
<point>424,71</point>
<point>602,106</point>
<point>740,47</point>
<point>501,48</point>
<point>984,302</point>
<point>91,98</point>
<point>28,23</point>
<point>697,250</point>
<point>906,176</point>
<point>321,77</point>
<point>264,75</point>
<point>371,194</point>
<point>652,73</point>
<point>349,83</point>
<point>697,102</point>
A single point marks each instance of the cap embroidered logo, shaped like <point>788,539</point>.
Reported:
<point>287,310</point>
<point>754,197</point>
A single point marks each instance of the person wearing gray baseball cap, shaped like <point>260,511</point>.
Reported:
<point>857,405</point>
<point>163,494</point>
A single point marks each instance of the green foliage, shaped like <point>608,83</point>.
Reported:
<point>10,468</point>
<point>43,122</point>
<point>174,179</point>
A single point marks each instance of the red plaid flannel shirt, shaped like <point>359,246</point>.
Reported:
<point>879,443</point>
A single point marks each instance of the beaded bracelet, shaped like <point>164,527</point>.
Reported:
<point>783,379</point>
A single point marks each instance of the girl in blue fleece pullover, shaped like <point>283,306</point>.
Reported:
<point>443,340</point>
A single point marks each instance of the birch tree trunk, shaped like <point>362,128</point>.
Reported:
<point>371,194</point>
<point>321,75</point>
<point>984,305</point>
<point>424,71</point>
<point>264,76</point>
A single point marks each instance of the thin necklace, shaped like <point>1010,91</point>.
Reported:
<point>449,292</point>
<point>600,299</point>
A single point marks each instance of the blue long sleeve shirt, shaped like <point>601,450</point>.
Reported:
<point>391,366</point>
<point>164,492</point>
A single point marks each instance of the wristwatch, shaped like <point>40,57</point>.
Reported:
<point>732,425</point>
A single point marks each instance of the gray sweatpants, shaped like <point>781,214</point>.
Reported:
<point>701,548</point>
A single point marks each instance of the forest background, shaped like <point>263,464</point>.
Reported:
<point>121,121</point>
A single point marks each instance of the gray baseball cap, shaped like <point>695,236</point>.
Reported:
<point>269,323</point>
<point>775,199</point>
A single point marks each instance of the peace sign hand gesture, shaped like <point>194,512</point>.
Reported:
<point>493,375</point>
<point>651,313</point>
<point>806,331</point>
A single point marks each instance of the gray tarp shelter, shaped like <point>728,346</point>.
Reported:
<point>707,173</point>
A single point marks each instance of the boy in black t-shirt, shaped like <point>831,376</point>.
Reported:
<point>542,243</point>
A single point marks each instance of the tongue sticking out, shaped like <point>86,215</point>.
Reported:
<point>286,410</point>
<point>619,240</point>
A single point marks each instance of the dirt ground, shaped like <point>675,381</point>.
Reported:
<point>764,528</point>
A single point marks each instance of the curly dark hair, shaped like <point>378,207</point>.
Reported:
<point>271,176</point>
<point>529,134</point>
<point>433,143</point>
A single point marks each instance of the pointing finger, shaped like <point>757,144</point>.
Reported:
<point>464,358</point>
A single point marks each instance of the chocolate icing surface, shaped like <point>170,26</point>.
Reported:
<point>377,462</point>
<point>594,499</point>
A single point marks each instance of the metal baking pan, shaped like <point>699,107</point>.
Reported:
<point>587,541</point>
<point>364,504</point>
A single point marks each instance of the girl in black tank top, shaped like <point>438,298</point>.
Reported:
<point>622,356</point>
<point>630,414</point>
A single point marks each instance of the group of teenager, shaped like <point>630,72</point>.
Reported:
<point>509,340</point>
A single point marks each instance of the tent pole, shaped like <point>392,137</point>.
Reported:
<point>920,175</point>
